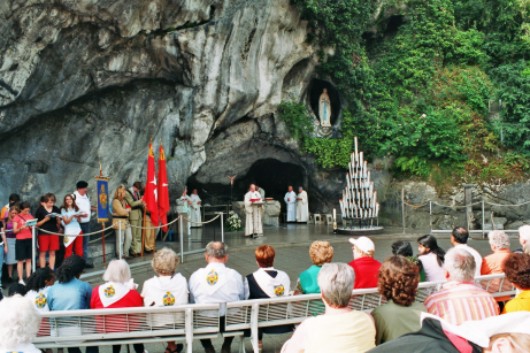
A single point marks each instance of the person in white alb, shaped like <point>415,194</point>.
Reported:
<point>85,209</point>
<point>290,203</point>
<point>195,216</point>
<point>166,288</point>
<point>253,207</point>
<point>184,209</point>
<point>216,283</point>
<point>302,207</point>
<point>459,238</point>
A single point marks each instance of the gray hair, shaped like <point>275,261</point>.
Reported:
<point>117,271</point>
<point>217,249</point>
<point>336,283</point>
<point>460,264</point>
<point>19,322</point>
<point>499,239</point>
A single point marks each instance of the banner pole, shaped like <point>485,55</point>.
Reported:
<point>222,227</point>
<point>119,241</point>
<point>103,247</point>
<point>143,232</point>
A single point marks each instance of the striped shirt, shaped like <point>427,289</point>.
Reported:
<point>459,301</point>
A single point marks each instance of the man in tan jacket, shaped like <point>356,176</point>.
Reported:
<point>134,200</point>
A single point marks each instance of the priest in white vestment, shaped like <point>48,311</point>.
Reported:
<point>302,206</point>
<point>290,203</point>
<point>183,209</point>
<point>195,211</point>
<point>253,206</point>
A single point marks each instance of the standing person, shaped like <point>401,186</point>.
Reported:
<point>14,199</point>
<point>70,293</point>
<point>261,191</point>
<point>267,282</point>
<point>459,238</point>
<point>136,204</point>
<point>11,241</point>
<point>49,220</point>
<point>73,239</point>
<point>120,222</point>
<point>118,291</point>
<point>302,206</point>
<point>253,206</point>
<point>431,257</point>
<point>166,288</point>
<point>216,283</point>
<point>83,202</point>
<point>364,265</point>
<point>23,245</point>
<point>195,209</point>
<point>3,249</point>
<point>290,203</point>
<point>183,209</point>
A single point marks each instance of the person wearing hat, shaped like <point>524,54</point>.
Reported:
<point>83,202</point>
<point>364,265</point>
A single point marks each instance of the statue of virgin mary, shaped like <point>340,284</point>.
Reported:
<point>324,109</point>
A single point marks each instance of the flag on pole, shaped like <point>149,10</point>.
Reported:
<point>163,192</point>
<point>150,195</point>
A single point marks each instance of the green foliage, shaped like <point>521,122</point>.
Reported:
<point>421,93</point>
<point>295,117</point>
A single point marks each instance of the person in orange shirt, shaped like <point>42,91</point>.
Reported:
<point>500,245</point>
<point>518,272</point>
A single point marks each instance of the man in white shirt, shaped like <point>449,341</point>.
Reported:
<point>83,202</point>
<point>216,283</point>
<point>183,209</point>
<point>459,237</point>
<point>290,203</point>
<point>195,209</point>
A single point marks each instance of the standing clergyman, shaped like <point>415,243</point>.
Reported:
<point>302,207</point>
<point>253,205</point>
<point>290,202</point>
<point>183,209</point>
<point>195,209</point>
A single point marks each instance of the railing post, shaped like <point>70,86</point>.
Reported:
<point>188,322</point>
<point>254,327</point>
<point>430,216</point>
<point>120,247</point>
<point>222,227</point>
<point>403,209</point>
<point>484,220</point>
<point>181,239</point>
<point>33,248</point>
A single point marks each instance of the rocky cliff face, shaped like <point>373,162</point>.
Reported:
<point>84,81</point>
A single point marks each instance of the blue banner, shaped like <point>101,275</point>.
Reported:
<point>103,199</point>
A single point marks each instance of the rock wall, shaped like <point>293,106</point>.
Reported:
<point>88,81</point>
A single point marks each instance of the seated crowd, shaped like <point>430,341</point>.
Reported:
<point>460,317</point>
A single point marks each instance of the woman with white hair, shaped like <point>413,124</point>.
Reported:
<point>166,288</point>
<point>500,245</point>
<point>118,291</point>
<point>340,329</point>
<point>19,324</point>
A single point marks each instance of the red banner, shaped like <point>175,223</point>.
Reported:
<point>163,191</point>
<point>150,195</point>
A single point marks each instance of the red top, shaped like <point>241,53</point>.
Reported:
<point>20,220</point>
<point>366,272</point>
<point>115,323</point>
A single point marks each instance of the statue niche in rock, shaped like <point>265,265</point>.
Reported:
<point>324,109</point>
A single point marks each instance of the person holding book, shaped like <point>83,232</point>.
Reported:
<point>48,222</point>
<point>23,244</point>
<point>73,240</point>
<point>253,207</point>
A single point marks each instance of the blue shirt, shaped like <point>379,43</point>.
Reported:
<point>73,295</point>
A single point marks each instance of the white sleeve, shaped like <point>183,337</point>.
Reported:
<point>296,344</point>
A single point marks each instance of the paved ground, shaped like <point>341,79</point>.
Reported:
<point>291,243</point>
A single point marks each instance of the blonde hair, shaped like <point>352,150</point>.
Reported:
<point>165,262</point>
<point>19,322</point>
<point>321,252</point>
<point>118,192</point>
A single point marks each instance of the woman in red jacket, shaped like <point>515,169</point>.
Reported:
<point>118,291</point>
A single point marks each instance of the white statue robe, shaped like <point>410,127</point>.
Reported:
<point>302,207</point>
<point>290,202</point>
<point>195,212</point>
<point>253,223</point>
